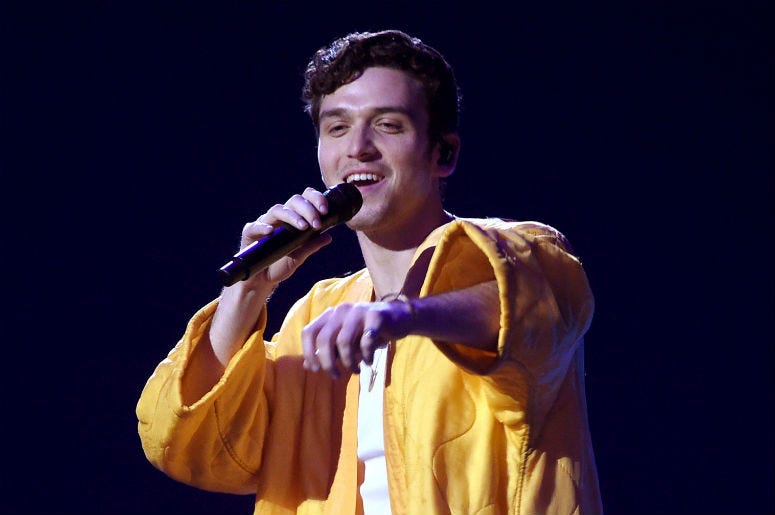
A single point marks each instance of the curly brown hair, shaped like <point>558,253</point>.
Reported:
<point>345,59</point>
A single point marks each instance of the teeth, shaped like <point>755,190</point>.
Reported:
<point>362,177</point>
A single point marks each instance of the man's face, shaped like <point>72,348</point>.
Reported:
<point>374,133</point>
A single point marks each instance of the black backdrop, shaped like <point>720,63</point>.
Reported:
<point>138,138</point>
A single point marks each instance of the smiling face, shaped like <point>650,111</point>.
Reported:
<point>374,133</point>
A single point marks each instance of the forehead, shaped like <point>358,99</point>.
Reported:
<point>377,88</point>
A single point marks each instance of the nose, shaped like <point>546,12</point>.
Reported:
<point>361,145</point>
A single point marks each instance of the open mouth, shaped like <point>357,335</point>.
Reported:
<point>363,179</point>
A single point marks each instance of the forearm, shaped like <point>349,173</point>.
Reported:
<point>469,316</point>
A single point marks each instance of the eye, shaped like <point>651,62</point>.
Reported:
<point>336,129</point>
<point>390,126</point>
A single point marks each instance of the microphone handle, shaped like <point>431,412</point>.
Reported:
<point>280,242</point>
<point>344,200</point>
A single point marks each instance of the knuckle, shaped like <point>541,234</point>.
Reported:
<point>294,199</point>
<point>341,309</point>
<point>345,350</point>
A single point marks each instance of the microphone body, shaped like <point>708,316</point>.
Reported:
<point>344,200</point>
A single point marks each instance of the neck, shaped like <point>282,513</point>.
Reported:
<point>388,254</point>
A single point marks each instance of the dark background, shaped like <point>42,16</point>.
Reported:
<point>138,138</point>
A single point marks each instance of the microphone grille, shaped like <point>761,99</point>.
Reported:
<point>344,200</point>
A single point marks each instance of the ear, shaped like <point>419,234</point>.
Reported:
<point>445,154</point>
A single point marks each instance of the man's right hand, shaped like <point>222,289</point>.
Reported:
<point>301,212</point>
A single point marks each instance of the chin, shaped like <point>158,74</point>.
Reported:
<point>356,225</point>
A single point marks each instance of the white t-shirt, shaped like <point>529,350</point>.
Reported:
<point>371,439</point>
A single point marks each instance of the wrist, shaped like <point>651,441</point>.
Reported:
<point>409,310</point>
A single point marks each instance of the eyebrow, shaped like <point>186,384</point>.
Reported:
<point>341,112</point>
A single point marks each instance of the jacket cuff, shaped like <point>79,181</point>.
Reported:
<point>467,255</point>
<point>246,357</point>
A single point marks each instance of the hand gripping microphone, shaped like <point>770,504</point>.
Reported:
<point>344,200</point>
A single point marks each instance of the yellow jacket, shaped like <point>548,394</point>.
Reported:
<point>466,432</point>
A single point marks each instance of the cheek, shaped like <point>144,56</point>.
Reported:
<point>418,157</point>
<point>328,162</point>
<point>326,158</point>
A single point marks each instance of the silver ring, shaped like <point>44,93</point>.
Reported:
<point>370,333</point>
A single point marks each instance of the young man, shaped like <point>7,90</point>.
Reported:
<point>467,333</point>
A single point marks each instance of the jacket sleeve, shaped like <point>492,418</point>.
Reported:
<point>217,442</point>
<point>546,304</point>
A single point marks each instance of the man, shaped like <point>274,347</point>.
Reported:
<point>467,333</point>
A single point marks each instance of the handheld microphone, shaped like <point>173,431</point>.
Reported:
<point>344,200</point>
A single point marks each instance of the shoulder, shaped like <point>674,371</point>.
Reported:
<point>329,292</point>
<point>355,284</point>
<point>531,230</point>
